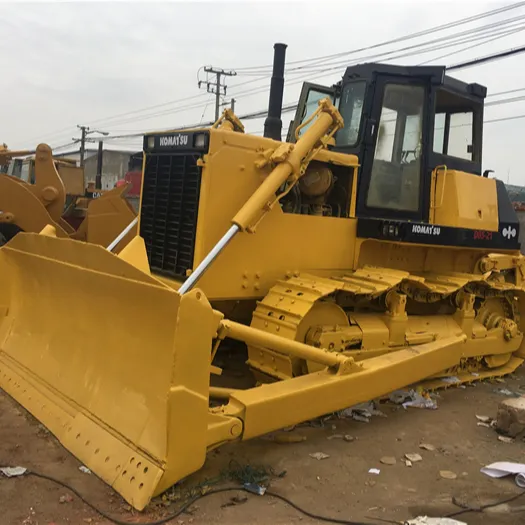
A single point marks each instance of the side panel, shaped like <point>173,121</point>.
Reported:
<point>444,237</point>
<point>283,243</point>
<point>463,200</point>
<point>509,225</point>
<point>286,244</point>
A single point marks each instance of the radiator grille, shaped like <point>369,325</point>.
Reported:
<point>170,202</point>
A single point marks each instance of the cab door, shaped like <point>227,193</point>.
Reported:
<point>393,180</point>
<point>311,94</point>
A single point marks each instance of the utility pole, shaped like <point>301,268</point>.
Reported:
<point>231,104</point>
<point>216,87</point>
<point>85,131</point>
<point>98,178</point>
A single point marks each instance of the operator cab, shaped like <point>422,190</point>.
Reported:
<point>402,123</point>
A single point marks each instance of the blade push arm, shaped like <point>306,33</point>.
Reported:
<point>277,405</point>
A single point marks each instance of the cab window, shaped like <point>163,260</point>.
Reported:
<point>312,103</point>
<point>351,109</point>
<point>396,168</point>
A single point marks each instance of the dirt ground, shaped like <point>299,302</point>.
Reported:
<point>338,486</point>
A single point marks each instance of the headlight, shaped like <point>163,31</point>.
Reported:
<point>151,142</point>
<point>199,140</point>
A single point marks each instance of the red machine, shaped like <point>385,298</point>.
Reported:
<point>135,179</point>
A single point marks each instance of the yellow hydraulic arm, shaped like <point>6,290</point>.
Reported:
<point>292,161</point>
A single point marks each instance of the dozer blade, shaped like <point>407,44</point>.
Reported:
<point>121,376</point>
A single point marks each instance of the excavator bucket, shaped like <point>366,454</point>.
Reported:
<point>121,377</point>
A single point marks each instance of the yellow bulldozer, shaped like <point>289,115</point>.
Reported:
<point>367,253</point>
<point>52,192</point>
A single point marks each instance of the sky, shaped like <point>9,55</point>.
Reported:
<point>68,64</point>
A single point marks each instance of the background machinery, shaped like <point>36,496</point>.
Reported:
<point>355,252</point>
<point>42,190</point>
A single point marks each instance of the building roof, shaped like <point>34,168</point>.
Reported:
<point>93,151</point>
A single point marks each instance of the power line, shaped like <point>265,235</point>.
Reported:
<point>506,92</point>
<point>289,107</point>
<point>205,108</point>
<point>410,36</point>
<point>298,73</point>
<point>505,101</point>
<point>471,35</point>
<point>317,60</point>
<point>498,37</point>
<point>297,79</point>
<point>63,146</point>
<point>503,119</point>
<point>488,58</point>
<point>85,131</point>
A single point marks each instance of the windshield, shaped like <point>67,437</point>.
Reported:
<point>351,108</point>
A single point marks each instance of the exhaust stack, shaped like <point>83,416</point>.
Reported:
<point>273,123</point>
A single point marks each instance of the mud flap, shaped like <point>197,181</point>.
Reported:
<point>113,362</point>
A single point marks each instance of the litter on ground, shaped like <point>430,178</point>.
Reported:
<point>10,472</point>
<point>501,469</point>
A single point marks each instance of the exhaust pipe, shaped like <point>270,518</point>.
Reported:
<point>273,123</point>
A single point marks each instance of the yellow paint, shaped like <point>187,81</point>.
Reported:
<point>251,264</point>
<point>122,376</point>
<point>33,206</point>
<point>135,254</point>
<point>463,200</point>
<point>107,216</point>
